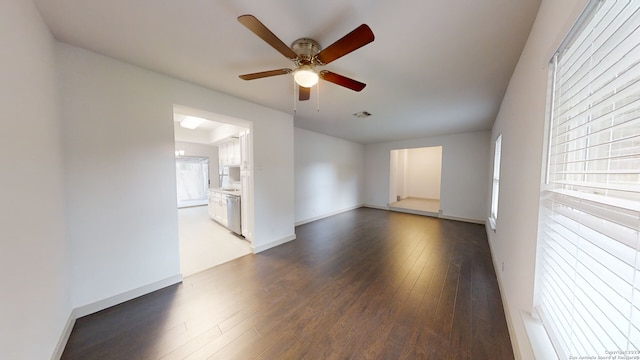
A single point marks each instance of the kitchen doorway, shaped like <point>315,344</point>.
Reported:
<point>203,151</point>
<point>415,180</point>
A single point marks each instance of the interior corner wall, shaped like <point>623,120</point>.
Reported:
<point>202,150</point>
<point>521,122</point>
<point>35,302</point>
<point>329,175</point>
<point>119,151</point>
<point>465,159</point>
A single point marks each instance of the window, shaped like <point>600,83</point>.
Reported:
<point>192,180</point>
<point>588,271</point>
<point>496,181</point>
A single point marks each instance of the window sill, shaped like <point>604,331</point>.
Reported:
<point>492,224</point>
<point>538,337</point>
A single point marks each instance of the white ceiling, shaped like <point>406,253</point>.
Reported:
<point>435,67</point>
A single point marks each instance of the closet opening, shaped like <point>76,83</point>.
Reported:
<point>414,180</point>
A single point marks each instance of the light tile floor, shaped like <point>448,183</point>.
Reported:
<point>204,243</point>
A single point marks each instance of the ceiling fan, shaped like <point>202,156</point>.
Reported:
<point>307,55</point>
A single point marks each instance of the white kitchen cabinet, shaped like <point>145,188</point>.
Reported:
<point>218,207</point>
<point>222,154</point>
<point>234,149</point>
<point>229,153</point>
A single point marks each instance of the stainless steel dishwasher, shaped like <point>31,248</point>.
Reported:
<point>233,214</point>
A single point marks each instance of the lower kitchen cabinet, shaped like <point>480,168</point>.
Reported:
<point>218,207</point>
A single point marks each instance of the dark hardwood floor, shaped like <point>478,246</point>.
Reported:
<point>365,284</point>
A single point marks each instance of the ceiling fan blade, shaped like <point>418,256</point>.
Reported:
<point>258,28</point>
<point>304,93</point>
<point>342,80</point>
<point>264,74</point>
<point>359,37</point>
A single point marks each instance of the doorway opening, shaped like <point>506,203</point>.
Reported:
<point>213,165</point>
<point>415,179</point>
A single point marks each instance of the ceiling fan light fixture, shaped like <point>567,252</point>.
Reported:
<point>305,76</point>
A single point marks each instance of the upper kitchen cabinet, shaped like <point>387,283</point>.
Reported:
<point>229,153</point>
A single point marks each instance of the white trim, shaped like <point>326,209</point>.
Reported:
<point>302,222</point>
<point>267,246</point>
<point>538,337</point>
<point>125,296</point>
<point>64,337</point>
<point>468,220</point>
<point>414,211</point>
<point>495,177</point>
<point>505,304</point>
<point>492,223</point>
<point>104,304</point>
<point>570,26</point>
<point>376,206</point>
<point>440,215</point>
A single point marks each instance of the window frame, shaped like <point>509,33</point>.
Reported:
<point>495,182</point>
<point>582,226</point>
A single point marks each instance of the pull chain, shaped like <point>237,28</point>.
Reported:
<point>318,97</point>
<point>295,90</point>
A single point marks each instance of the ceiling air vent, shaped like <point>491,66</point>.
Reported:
<point>362,114</point>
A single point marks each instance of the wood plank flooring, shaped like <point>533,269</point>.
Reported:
<point>365,284</point>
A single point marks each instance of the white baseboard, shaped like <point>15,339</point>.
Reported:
<point>414,212</point>
<point>376,206</point>
<point>302,222</point>
<point>505,304</point>
<point>455,218</point>
<point>106,303</point>
<point>126,296</point>
<point>267,246</point>
<point>64,337</point>
<point>440,215</point>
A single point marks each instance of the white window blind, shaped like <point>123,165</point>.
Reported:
<point>588,274</point>
<point>495,190</point>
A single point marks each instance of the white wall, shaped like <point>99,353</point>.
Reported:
<point>329,175</point>
<point>120,166</point>
<point>465,166</point>
<point>35,303</point>
<point>201,150</point>
<point>401,164</point>
<point>423,172</point>
<point>521,123</point>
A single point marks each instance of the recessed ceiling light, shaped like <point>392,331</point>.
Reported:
<point>362,114</point>
<point>191,122</point>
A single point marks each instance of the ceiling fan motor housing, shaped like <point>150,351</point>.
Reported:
<point>306,49</point>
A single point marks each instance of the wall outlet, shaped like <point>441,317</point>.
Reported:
<point>502,266</point>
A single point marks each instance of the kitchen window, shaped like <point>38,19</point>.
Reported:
<point>588,264</point>
<point>192,181</point>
